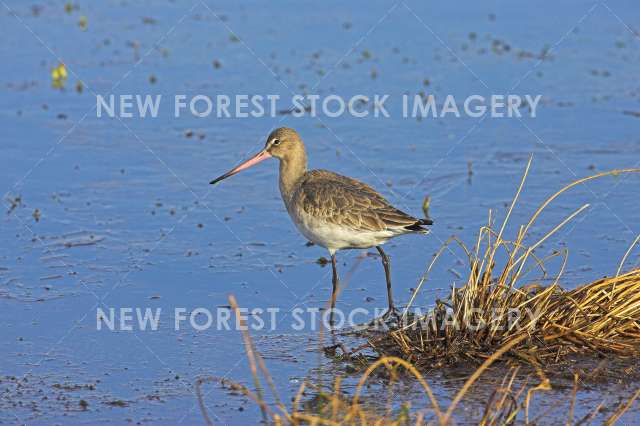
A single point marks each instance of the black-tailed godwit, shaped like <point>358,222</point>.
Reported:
<point>332,211</point>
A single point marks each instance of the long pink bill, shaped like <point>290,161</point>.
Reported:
<point>261,156</point>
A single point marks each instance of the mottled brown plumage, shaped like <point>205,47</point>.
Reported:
<point>344,201</point>
<point>331,210</point>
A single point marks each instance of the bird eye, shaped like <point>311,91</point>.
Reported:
<point>276,142</point>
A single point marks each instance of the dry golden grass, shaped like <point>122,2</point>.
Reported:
<point>602,317</point>
<point>494,307</point>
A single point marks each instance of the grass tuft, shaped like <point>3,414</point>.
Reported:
<point>496,306</point>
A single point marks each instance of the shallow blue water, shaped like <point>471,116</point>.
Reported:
<point>126,217</point>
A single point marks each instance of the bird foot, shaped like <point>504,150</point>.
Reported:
<point>392,318</point>
<point>391,312</point>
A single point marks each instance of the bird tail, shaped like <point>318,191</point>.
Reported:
<point>418,226</point>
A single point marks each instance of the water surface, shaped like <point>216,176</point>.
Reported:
<point>126,218</point>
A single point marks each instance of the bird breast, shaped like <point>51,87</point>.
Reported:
<point>334,236</point>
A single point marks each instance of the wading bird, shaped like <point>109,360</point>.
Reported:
<point>332,211</point>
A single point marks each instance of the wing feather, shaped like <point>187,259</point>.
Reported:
<point>344,201</point>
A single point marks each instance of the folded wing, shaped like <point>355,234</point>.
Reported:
<point>347,202</point>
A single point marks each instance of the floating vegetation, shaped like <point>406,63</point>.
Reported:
<point>59,75</point>
<point>426,204</point>
<point>83,23</point>
<point>14,202</point>
<point>70,7</point>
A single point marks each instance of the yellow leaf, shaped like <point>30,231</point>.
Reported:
<point>62,70</point>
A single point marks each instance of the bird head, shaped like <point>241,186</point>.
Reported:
<point>283,143</point>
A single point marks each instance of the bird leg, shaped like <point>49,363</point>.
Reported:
<point>387,273</point>
<point>334,291</point>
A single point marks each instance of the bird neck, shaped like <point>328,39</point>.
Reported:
<point>292,168</point>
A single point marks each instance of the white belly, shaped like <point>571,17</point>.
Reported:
<point>336,237</point>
